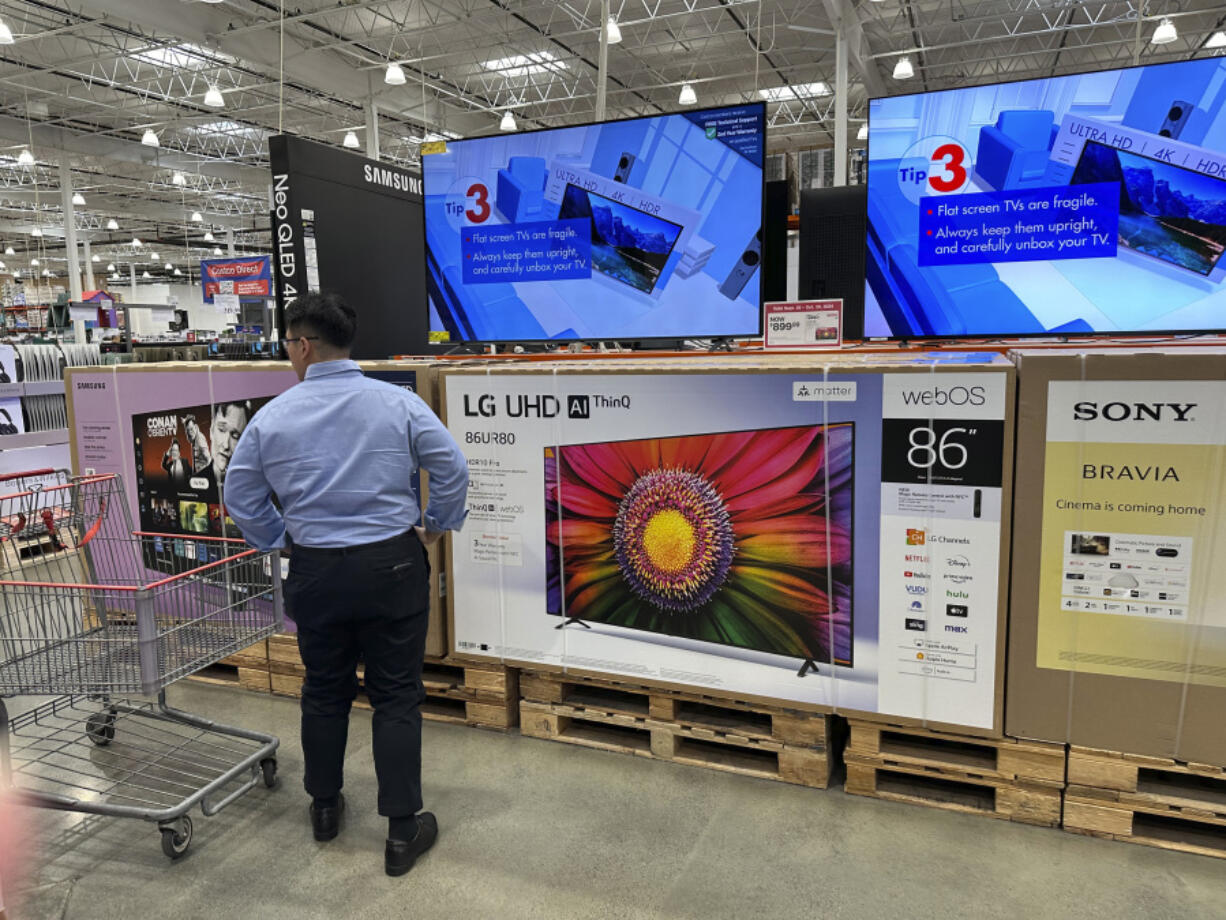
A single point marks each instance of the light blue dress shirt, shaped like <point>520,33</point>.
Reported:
<point>339,451</point>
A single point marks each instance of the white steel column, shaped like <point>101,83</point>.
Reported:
<point>372,129</point>
<point>602,71</point>
<point>132,275</point>
<point>70,232</point>
<point>229,241</point>
<point>90,283</point>
<point>840,103</point>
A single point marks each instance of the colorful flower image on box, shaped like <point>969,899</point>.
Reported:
<point>741,538</point>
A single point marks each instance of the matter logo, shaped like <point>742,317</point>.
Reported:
<point>579,406</point>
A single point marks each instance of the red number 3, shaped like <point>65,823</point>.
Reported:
<point>481,195</point>
<point>953,156</point>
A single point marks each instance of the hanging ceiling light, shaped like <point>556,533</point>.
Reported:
<point>46,273</point>
<point>169,266</point>
<point>196,218</point>
<point>37,231</point>
<point>35,262</point>
<point>508,122</point>
<point>178,179</point>
<point>614,32</point>
<point>1165,33</point>
<point>216,250</point>
<point>3,267</point>
<point>110,266</point>
<point>9,251</point>
<point>150,138</point>
<point>350,141</point>
<point>214,99</point>
<point>145,274</point>
<point>78,199</point>
<point>155,257</point>
<point>178,274</point>
<point>688,96</point>
<point>136,243</point>
<point>903,69</point>
<point>208,236</point>
<point>394,75</point>
<point>25,158</point>
<point>862,134</point>
<point>112,224</point>
<point>1216,40</point>
<point>95,258</point>
<point>17,274</point>
<point>6,34</point>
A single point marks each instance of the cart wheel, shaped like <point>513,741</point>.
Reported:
<point>269,766</point>
<point>100,727</point>
<point>175,843</point>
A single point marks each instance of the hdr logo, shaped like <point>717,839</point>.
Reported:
<point>579,406</point>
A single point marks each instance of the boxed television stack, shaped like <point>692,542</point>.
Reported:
<point>1118,628</point>
<point>818,536</point>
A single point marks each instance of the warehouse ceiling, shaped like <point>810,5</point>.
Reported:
<point>85,80</point>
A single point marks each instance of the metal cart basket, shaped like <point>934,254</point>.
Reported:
<point>90,608</point>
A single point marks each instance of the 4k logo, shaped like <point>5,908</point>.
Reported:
<point>579,406</point>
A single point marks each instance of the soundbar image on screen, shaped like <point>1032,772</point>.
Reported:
<point>1168,212</point>
<point>740,539</point>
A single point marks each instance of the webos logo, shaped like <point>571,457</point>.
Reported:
<point>945,396</point>
<point>1088,411</point>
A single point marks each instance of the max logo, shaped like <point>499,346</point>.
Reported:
<point>1133,412</point>
<point>578,406</point>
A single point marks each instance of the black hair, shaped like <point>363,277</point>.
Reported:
<point>223,408</point>
<point>189,418</point>
<point>325,315</point>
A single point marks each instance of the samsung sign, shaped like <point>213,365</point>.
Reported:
<point>391,178</point>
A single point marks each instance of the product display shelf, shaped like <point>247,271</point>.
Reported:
<point>480,694</point>
<point>1153,801</point>
<point>759,741</point>
<point>1008,779</point>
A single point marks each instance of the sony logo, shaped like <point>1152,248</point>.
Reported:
<point>1133,412</point>
<point>390,178</point>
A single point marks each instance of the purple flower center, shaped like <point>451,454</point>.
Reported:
<point>673,540</point>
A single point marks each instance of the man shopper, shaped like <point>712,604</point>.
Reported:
<point>339,452</point>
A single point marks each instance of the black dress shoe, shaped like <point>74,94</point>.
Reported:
<point>326,821</point>
<point>400,855</point>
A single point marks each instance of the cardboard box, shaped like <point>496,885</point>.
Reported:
<point>122,419</point>
<point>822,531</point>
<point>1118,619</point>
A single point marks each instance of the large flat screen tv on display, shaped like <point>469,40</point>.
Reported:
<point>675,536</point>
<point>647,228</point>
<point>1091,203</point>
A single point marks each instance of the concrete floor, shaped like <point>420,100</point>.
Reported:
<point>543,830</point>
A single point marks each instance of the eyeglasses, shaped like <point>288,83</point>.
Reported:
<point>298,338</point>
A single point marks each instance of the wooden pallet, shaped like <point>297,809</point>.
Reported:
<point>484,695</point>
<point>1153,801</point>
<point>228,675</point>
<point>1005,759</point>
<point>763,742</point>
<point>696,715</point>
<point>994,798</point>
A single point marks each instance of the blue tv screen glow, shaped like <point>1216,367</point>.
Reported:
<point>1092,203</point>
<point>647,228</point>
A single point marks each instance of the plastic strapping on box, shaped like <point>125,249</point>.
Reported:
<point>557,484</point>
<point>502,588</point>
<point>832,684</point>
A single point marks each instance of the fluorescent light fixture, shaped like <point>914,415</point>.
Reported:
<point>216,250</point>
<point>37,231</point>
<point>1216,40</point>
<point>688,96</point>
<point>150,138</point>
<point>6,34</point>
<point>394,75</point>
<point>95,258</point>
<point>110,266</point>
<point>112,224</point>
<point>1165,33</point>
<point>903,69</point>
<point>214,99</point>
<point>523,65</point>
<point>350,141</point>
<point>208,236</point>
<point>508,122</point>
<point>614,31</point>
<point>800,90</point>
<point>196,218</point>
<point>178,179</point>
<point>78,199</point>
<point>25,158</point>
<point>862,134</point>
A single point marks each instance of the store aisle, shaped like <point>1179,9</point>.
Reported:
<point>533,829</point>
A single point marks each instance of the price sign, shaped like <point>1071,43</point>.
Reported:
<point>804,324</point>
<point>226,303</point>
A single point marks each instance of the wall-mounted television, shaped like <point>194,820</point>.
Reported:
<point>640,229</point>
<point>1090,203</point>
<point>657,535</point>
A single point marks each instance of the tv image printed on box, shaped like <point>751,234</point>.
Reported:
<point>182,455</point>
<point>740,539</point>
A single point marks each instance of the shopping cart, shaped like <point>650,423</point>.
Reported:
<point>90,608</point>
